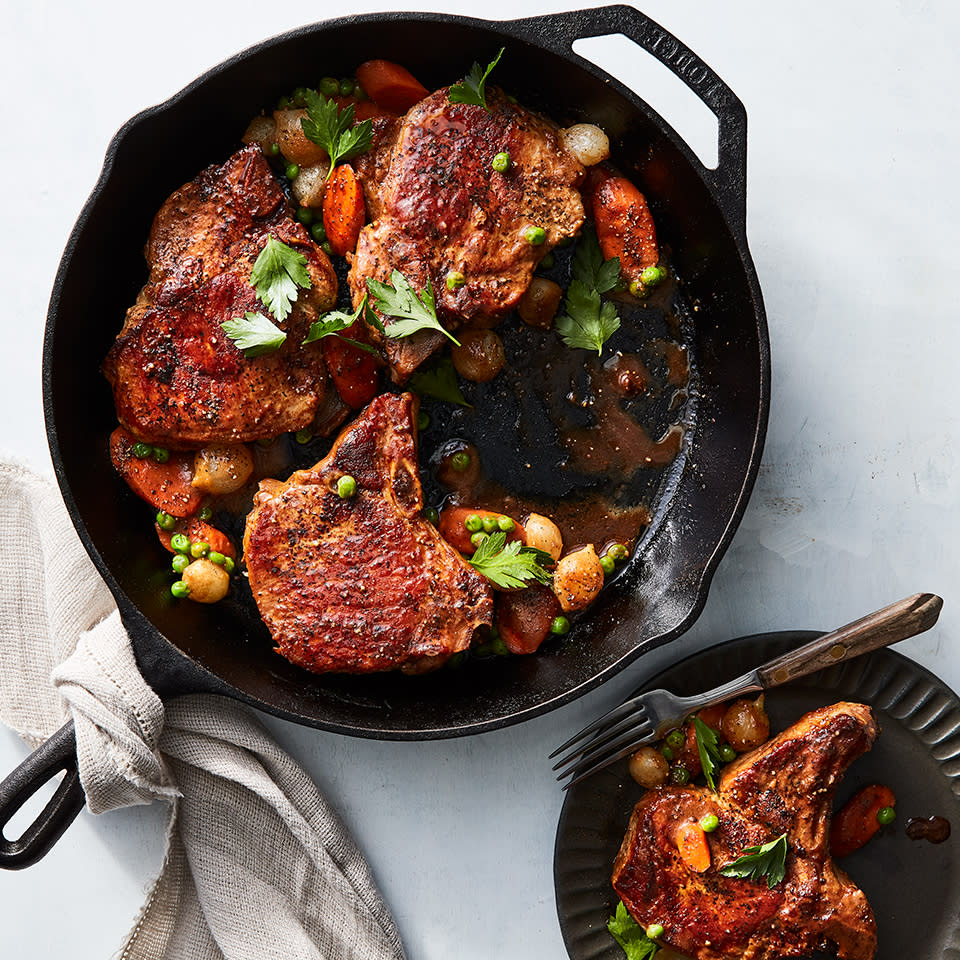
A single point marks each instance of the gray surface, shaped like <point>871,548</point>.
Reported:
<point>852,213</point>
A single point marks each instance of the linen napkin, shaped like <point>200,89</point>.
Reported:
<point>257,864</point>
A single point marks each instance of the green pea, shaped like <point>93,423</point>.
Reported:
<point>180,563</point>
<point>300,97</point>
<point>359,93</point>
<point>347,86</point>
<point>547,261</point>
<point>305,216</point>
<point>303,436</point>
<point>423,420</point>
<point>327,248</point>
<point>228,564</point>
<point>654,931</point>
<point>460,461</point>
<point>489,524</point>
<point>666,753</point>
<point>457,660</point>
<point>218,558</point>
<point>608,564</point>
<point>477,538</point>
<point>346,487</point>
<point>473,523</point>
<point>535,236</point>
<point>620,284</point>
<point>205,513</point>
<point>679,774</point>
<point>727,753</point>
<point>560,626</point>
<point>199,548</point>
<point>329,87</point>
<point>292,171</point>
<point>318,232</point>
<point>432,515</point>
<point>638,289</point>
<point>506,524</point>
<point>283,103</point>
<point>179,589</point>
<point>618,551</point>
<point>180,542</point>
<point>142,450</point>
<point>274,149</point>
<point>498,647</point>
<point>676,739</point>
<point>161,454</point>
<point>709,822</point>
<point>652,276</point>
<point>886,815</point>
<point>165,521</point>
<point>455,280</point>
<point>501,162</point>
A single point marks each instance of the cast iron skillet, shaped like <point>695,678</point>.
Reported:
<point>188,648</point>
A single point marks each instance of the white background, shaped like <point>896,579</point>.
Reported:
<point>853,215</point>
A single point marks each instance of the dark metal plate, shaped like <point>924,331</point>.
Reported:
<point>913,886</point>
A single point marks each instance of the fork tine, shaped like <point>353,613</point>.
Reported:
<point>600,764</point>
<point>611,716</point>
<point>630,722</point>
<point>610,744</point>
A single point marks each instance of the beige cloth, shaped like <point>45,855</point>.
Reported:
<point>257,866</point>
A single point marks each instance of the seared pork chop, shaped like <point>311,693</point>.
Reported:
<point>441,208</point>
<point>785,786</point>
<point>361,583</point>
<point>177,379</point>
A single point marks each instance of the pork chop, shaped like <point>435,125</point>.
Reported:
<point>361,583</point>
<point>785,786</point>
<point>441,208</point>
<point>177,379</point>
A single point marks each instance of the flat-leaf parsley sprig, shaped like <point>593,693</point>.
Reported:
<point>254,334</point>
<point>333,129</point>
<point>336,321</point>
<point>510,565</point>
<point>709,749</point>
<point>630,935</point>
<point>767,860</point>
<point>277,274</point>
<point>473,89</point>
<point>409,311</point>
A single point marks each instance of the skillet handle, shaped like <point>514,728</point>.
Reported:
<point>559,31</point>
<point>58,753</point>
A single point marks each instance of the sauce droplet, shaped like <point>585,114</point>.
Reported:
<point>934,829</point>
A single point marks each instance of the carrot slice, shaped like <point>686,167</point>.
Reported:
<point>165,486</point>
<point>354,372</point>
<point>625,227</point>
<point>390,85</point>
<point>524,617</point>
<point>344,210</point>
<point>454,531</point>
<point>198,530</point>
<point>857,822</point>
<point>692,844</point>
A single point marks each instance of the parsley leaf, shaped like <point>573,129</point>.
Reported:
<point>254,334</point>
<point>438,381</point>
<point>411,313</point>
<point>474,87</point>
<point>276,274</point>
<point>510,565</point>
<point>335,321</point>
<point>331,128</point>
<point>709,750</point>
<point>590,268</point>
<point>768,860</point>
<point>587,323</point>
<point>630,935</point>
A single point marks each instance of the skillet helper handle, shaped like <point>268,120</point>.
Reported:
<point>900,620</point>
<point>58,753</point>
<point>561,30</point>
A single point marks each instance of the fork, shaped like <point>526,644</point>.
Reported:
<point>647,717</point>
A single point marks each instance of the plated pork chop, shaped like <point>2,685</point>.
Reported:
<point>177,379</point>
<point>442,209</point>
<point>361,582</point>
<point>785,786</point>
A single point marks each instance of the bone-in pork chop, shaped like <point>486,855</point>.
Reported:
<point>785,786</point>
<point>361,583</point>
<point>177,379</point>
<point>441,208</point>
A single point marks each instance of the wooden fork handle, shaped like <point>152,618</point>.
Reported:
<point>900,620</point>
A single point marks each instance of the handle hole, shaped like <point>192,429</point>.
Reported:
<point>31,808</point>
<point>693,120</point>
